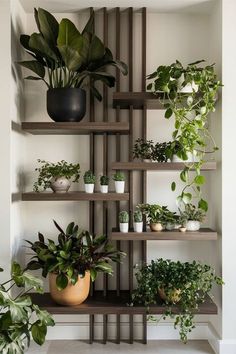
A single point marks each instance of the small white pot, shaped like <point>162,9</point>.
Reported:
<point>191,158</point>
<point>193,225</point>
<point>124,227</point>
<point>120,186</point>
<point>147,160</point>
<point>103,188</point>
<point>138,226</point>
<point>60,184</point>
<point>89,188</point>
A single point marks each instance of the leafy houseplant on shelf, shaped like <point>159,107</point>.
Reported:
<point>89,181</point>
<point>171,220</point>
<point>187,284</point>
<point>67,61</point>
<point>138,221</point>
<point>124,221</point>
<point>72,261</point>
<point>119,179</point>
<point>194,216</point>
<point>143,149</point>
<point>155,215</point>
<point>20,319</point>
<point>189,95</point>
<point>104,182</point>
<point>56,176</point>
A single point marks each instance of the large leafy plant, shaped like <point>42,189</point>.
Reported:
<point>65,57</point>
<point>191,281</point>
<point>154,213</point>
<point>20,319</point>
<point>191,109</point>
<point>74,253</point>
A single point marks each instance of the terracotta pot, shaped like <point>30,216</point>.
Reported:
<point>174,297</point>
<point>156,226</point>
<point>73,294</point>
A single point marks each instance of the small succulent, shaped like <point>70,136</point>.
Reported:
<point>104,180</point>
<point>123,217</point>
<point>138,216</point>
<point>89,177</point>
<point>119,176</point>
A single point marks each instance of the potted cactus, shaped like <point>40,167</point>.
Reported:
<point>104,181</point>
<point>119,179</point>
<point>124,221</point>
<point>89,181</point>
<point>138,221</point>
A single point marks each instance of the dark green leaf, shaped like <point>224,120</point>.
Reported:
<point>61,281</point>
<point>49,26</point>
<point>203,205</point>
<point>173,186</point>
<point>39,332</point>
<point>34,66</point>
<point>168,113</point>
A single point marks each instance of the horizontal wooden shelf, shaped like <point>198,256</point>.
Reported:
<point>74,196</point>
<point>111,304</point>
<point>71,128</point>
<point>158,166</point>
<point>203,234</point>
<point>137,100</point>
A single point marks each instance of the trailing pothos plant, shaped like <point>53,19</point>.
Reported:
<point>20,319</point>
<point>188,95</point>
<point>64,57</point>
<point>74,253</point>
<point>185,283</point>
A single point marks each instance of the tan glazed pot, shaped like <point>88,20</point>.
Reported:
<point>174,297</point>
<point>73,294</point>
<point>156,226</point>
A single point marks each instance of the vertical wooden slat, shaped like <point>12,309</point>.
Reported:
<point>117,209</point>
<point>144,133</point>
<point>130,61</point>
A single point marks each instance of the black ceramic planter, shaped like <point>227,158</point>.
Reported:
<point>66,104</point>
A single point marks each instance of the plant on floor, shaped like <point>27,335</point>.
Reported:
<point>65,57</point>
<point>104,180</point>
<point>185,283</point>
<point>49,172</point>
<point>89,177</point>
<point>74,253</point>
<point>20,319</point>
<point>189,94</point>
<point>119,176</point>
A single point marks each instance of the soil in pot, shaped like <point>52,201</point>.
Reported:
<point>66,104</point>
<point>73,294</point>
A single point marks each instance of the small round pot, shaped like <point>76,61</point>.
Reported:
<point>173,297</point>
<point>124,227</point>
<point>138,226</point>
<point>193,225</point>
<point>170,226</point>
<point>147,160</point>
<point>191,158</point>
<point>60,184</point>
<point>120,186</point>
<point>182,229</point>
<point>89,187</point>
<point>66,104</point>
<point>156,226</point>
<point>103,188</point>
<point>73,294</point>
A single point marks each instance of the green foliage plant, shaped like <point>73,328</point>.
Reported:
<point>123,217</point>
<point>64,57</point>
<point>49,170</point>
<point>193,281</point>
<point>89,177</point>
<point>138,216</point>
<point>154,213</point>
<point>143,149</point>
<point>74,253</point>
<point>191,112</point>
<point>104,180</point>
<point>119,176</point>
<point>20,318</point>
<point>191,212</point>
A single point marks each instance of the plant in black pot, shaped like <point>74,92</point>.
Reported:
<point>72,261</point>
<point>67,61</point>
<point>56,176</point>
<point>20,318</point>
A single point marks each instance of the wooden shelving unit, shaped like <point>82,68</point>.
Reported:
<point>112,304</point>
<point>81,128</point>
<point>74,196</point>
<point>204,234</point>
<point>158,166</point>
<point>138,100</point>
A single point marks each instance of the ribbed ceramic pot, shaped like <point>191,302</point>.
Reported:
<point>193,225</point>
<point>138,226</point>
<point>124,227</point>
<point>120,186</point>
<point>73,294</point>
<point>60,184</point>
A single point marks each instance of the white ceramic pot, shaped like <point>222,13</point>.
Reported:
<point>138,226</point>
<point>60,184</point>
<point>182,229</point>
<point>103,188</point>
<point>193,225</point>
<point>147,160</point>
<point>89,188</point>
<point>170,226</point>
<point>124,227</point>
<point>120,186</point>
<point>191,158</point>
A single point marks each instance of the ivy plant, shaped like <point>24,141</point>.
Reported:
<point>190,109</point>
<point>20,319</point>
<point>193,281</point>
